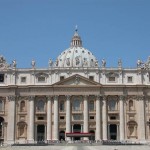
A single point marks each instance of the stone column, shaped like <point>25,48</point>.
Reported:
<point>104,118</point>
<point>122,118</point>
<point>141,118</point>
<point>11,120</point>
<point>30,134</point>
<point>98,119</point>
<point>68,117</point>
<point>49,118</point>
<point>85,116</point>
<point>55,118</point>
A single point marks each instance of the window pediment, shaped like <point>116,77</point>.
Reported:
<point>41,75</point>
<point>112,74</point>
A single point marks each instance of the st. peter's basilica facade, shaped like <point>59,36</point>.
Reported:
<point>74,98</point>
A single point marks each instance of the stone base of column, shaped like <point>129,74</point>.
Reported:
<point>55,140</point>
<point>86,138</point>
<point>10,142</point>
<point>30,141</point>
<point>68,138</point>
<point>97,139</point>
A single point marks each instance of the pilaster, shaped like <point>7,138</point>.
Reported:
<point>122,118</point>
<point>105,118</point>
<point>68,117</point>
<point>49,118</point>
<point>98,118</point>
<point>11,119</point>
<point>55,118</point>
<point>85,116</point>
<point>30,135</point>
<point>141,117</point>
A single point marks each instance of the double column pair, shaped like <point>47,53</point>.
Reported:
<point>68,116</point>
<point>56,119</point>
<point>105,118</point>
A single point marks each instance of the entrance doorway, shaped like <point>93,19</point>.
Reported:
<point>92,138</point>
<point>62,135</point>
<point>40,133</point>
<point>113,131</point>
<point>77,129</point>
<point>1,129</point>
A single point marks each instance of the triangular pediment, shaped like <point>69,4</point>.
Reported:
<point>77,80</point>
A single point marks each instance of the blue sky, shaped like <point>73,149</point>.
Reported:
<point>42,29</point>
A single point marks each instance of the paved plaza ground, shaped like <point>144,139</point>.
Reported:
<point>76,147</point>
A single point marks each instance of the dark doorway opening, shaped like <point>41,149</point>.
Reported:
<point>62,135</point>
<point>1,130</point>
<point>92,137</point>
<point>77,129</point>
<point>113,131</point>
<point>40,133</point>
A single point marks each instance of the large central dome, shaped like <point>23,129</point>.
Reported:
<point>76,55</point>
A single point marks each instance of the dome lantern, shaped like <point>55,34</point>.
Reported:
<point>76,40</point>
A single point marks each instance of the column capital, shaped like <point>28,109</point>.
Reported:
<point>104,97</point>
<point>68,97</point>
<point>55,97</point>
<point>11,97</point>
<point>140,97</point>
<point>49,97</point>
<point>85,96</point>
<point>98,97</point>
<point>122,97</point>
<point>31,97</point>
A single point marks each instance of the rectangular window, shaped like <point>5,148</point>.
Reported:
<point>1,78</point>
<point>62,117</point>
<point>41,79</point>
<point>23,79</point>
<point>91,78</point>
<point>62,78</point>
<point>40,118</point>
<point>91,117</point>
<point>112,79</point>
<point>130,79</point>
<point>112,117</point>
<point>77,117</point>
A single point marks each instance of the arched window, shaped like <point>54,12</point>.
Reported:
<point>22,106</point>
<point>40,106</point>
<point>131,105</point>
<point>76,105</point>
<point>62,107</point>
<point>91,106</point>
<point>1,105</point>
<point>112,104</point>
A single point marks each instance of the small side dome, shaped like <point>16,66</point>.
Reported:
<point>76,55</point>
